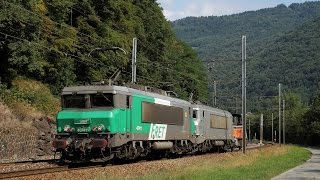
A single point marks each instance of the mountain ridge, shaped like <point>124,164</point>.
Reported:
<point>220,38</point>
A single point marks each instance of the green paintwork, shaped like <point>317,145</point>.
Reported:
<point>119,120</point>
<point>84,121</point>
<point>192,126</point>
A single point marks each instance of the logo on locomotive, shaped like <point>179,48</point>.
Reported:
<point>158,132</point>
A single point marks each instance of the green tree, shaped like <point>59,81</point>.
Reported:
<point>311,123</point>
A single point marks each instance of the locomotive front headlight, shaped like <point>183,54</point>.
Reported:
<point>98,128</point>
<point>67,129</point>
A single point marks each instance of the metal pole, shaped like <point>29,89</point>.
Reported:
<point>134,61</point>
<point>261,129</point>
<point>279,115</point>
<point>244,94</point>
<point>272,128</point>
<point>283,124</point>
<point>249,130</point>
<point>236,105</point>
<point>215,93</point>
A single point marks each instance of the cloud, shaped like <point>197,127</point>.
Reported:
<point>177,9</point>
<point>166,2</point>
<point>195,8</point>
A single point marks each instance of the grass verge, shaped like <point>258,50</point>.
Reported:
<point>256,164</point>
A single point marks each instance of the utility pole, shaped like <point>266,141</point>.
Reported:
<point>272,128</point>
<point>215,93</point>
<point>283,125</point>
<point>134,61</point>
<point>244,111</point>
<point>279,114</point>
<point>249,131</point>
<point>236,105</point>
<point>261,129</point>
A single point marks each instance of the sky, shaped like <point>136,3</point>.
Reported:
<point>177,9</point>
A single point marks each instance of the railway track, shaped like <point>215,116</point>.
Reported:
<point>29,172</point>
<point>27,162</point>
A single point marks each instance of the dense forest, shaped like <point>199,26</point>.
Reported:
<point>50,41</point>
<point>283,46</point>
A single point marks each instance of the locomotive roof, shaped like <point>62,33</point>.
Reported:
<point>118,89</point>
<point>208,108</point>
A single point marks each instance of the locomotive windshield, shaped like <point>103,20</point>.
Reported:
<point>74,101</point>
<point>87,100</point>
<point>101,100</point>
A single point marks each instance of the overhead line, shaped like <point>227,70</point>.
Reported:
<point>163,67</point>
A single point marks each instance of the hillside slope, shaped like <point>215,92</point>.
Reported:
<point>293,60</point>
<point>55,42</point>
<point>281,48</point>
<point>220,37</point>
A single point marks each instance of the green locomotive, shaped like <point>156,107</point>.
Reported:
<point>100,123</point>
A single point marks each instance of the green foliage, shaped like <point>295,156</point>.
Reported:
<point>282,47</point>
<point>312,123</point>
<point>30,93</point>
<point>50,41</point>
<point>295,111</point>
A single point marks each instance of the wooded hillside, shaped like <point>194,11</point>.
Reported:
<point>282,47</point>
<point>50,41</point>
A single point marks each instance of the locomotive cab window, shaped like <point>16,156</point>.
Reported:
<point>87,100</point>
<point>74,101</point>
<point>101,100</point>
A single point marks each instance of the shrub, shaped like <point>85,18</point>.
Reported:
<point>29,99</point>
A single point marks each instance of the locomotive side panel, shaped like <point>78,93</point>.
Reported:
<point>158,119</point>
<point>217,125</point>
<point>213,124</point>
